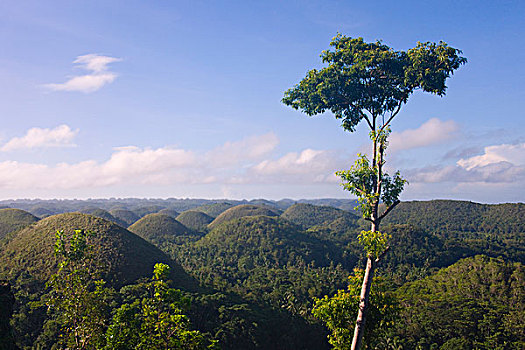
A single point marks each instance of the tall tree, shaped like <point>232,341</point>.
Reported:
<point>371,82</point>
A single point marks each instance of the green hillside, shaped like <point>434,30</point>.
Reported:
<point>469,228</point>
<point>162,230</point>
<point>454,218</point>
<point>14,219</point>
<point>124,215</point>
<point>477,303</point>
<point>194,220</point>
<point>28,261</point>
<point>267,258</point>
<point>308,215</point>
<point>240,211</point>
<point>124,256</point>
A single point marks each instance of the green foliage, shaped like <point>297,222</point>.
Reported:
<point>142,211</point>
<point>363,177</point>
<point>265,258</point>
<point>77,301</point>
<point>28,262</point>
<point>374,242</point>
<point>466,228</point>
<point>268,271</point>
<point>340,311</point>
<point>371,76</point>
<point>155,321</point>
<point>477,303</point>
<point>170,212</point>
<point>123,257</point>
<point>7,301</point>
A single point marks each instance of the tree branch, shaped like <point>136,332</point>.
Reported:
<point>389,209</point>
<point>391,117</point>
<point>367,120</point>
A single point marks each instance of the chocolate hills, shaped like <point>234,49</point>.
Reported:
<point>271,239</point>
<point>123,256</point>
<point>243,210</point>
<point>162,230</point>
<point>308,215</point>
<point>124,215</point>
<point>195,220</point>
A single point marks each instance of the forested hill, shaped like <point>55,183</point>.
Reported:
<point>450,218</point>
<point>477,303</point>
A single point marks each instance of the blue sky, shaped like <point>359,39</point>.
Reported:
<point>182,99</point>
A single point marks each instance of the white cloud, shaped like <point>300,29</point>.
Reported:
<point>125,166</point>
<point>514,154</point>
<point>248,149</point>
<point>61,136</point>
<point>498,164</point>
<point>502,172</point>
<point>307,166</point>
<point>100,76</point>
<point>248,161</point>
<point>429,133</point>
<point>95,63</point>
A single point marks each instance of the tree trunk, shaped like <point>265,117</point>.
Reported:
<point>363,304</point>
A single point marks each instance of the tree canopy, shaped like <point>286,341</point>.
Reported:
<point>366,80</point>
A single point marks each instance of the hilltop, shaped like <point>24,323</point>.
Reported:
<point>162,230</point>
<point>243,210</point>
<point>124,215</point>
<point>195,220</point>
<point>308,215</point>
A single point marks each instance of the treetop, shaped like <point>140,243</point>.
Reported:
<point>369,80</point>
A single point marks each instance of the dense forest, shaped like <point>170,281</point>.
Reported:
<point>257,274</point>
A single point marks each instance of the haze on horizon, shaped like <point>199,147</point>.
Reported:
<point>182,99</point>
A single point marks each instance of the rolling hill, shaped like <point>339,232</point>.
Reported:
<point>162,230</point>
<point>194,220</point>
<point>240,211</point>
<point>308,215</point>
<point>123,256</point>
<point>124,215</point>
<point>14,219</point>
<point>477,303</point>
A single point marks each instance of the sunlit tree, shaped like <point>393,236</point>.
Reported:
<point>371,82</point>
